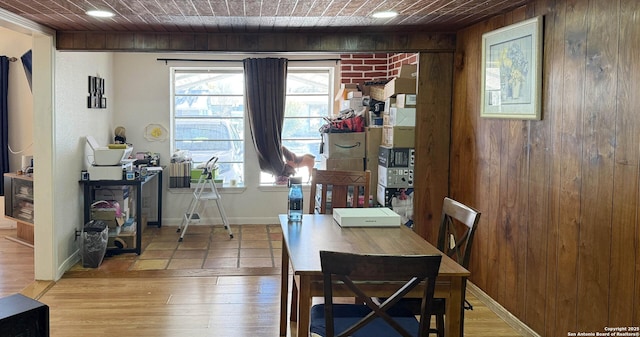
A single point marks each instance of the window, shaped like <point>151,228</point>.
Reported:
<point>208,116</point>
<point>308,102</point>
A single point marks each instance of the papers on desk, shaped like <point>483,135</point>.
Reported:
<point>366,217</point>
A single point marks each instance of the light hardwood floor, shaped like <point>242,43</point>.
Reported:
<point>158,303</point>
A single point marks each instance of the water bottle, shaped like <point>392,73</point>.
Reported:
<point>295,199</point>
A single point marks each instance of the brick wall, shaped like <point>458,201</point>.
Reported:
<point>396,60</point>
<point>359,68</point>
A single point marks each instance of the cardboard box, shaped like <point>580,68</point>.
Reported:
<point>343,145</point>
<point>399,136</point>
<point>352,103</point>
<point>377,92</point>
<point>120,194</point>
<point>344,90</point>
<point>389,103</point>
<point>366,217</point>
<point>342,164</point>
<point>373,137</point>
<point>405,83</point>
<point>395,177</point>
<point>108,217</point>
<point>402,117</point>
<point>117,193</point>
<point>405,100</point>
<point>396,156</point>
<point>354,94</point>
<point>386,119</point>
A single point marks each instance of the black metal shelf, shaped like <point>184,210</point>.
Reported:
<point>138,184</point>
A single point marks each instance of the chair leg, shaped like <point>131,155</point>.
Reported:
<point>293,316</point>
<point>440,325</point>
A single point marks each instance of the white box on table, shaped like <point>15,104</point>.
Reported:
<point>366,217</point>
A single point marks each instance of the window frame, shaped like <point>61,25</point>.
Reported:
<point>251,171</point>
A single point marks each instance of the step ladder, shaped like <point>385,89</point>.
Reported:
<point>204,192</point>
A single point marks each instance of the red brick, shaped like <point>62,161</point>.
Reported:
<point>351,62</point>
<point>351,74</point>
<point>375,74</point>
<point>362,56</point>
<point>362,68</point>
<point>376,61</point>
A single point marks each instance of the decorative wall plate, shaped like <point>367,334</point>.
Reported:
<point>155,133</point>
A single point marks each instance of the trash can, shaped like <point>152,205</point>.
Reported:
<point>95,235</point>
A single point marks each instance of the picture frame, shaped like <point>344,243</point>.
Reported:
<point>511,80</point>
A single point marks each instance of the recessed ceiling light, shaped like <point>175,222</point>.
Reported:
<point>384,14</point>
<point>100,13</point>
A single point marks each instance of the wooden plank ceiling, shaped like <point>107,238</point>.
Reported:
<point>263,16</point>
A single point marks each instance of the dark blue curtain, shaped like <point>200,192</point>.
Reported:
<point>4,112</point>
<point>265,94</point>
<point>26,62</point>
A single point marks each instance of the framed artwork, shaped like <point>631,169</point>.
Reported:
<point>512,71</point>
<point>96,98</point>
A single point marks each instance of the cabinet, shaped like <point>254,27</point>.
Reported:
<point>18,204</point>
<point>131,241</point>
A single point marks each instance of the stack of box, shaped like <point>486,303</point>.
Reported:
<point>122,226</point>
<point>373,140</point>
<point>397,150</point>
<point>349,97</point>
<point>343,151</point>
<point>399,118</point>
<point>395,180</point>
<point>119,194</point>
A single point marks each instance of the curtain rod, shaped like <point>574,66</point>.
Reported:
<point>205,60</point>
<point>12,59</point>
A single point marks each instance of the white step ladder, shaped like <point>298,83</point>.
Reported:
<point>205,191</point>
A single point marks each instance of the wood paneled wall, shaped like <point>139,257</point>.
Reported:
<point>558,244</point>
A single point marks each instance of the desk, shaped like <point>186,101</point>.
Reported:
<point>138,184</point>
<point>301,245</point>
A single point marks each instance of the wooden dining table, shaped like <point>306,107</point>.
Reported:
<point>301,246</point>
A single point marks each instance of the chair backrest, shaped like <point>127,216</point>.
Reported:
<point>457,228</point>
<point>345,188</point>
<point>406,271</point>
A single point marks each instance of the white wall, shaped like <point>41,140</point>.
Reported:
<point>142,96</point>
<point>73,121</point>
<point>20,99</point>
<point>137,88</point>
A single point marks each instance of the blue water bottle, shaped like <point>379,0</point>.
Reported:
<point>295,199</point>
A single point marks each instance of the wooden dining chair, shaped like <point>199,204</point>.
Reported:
<point>372,319</point>
<point>455,237</point>
<point>334,189</point>
<point>338,189</point>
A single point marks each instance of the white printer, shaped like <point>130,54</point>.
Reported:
<point>108,163</point>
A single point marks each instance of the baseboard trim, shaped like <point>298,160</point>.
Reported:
<point>499,310</point>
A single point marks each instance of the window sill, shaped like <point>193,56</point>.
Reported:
<point>278,188</point>
<point>222,190</point>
